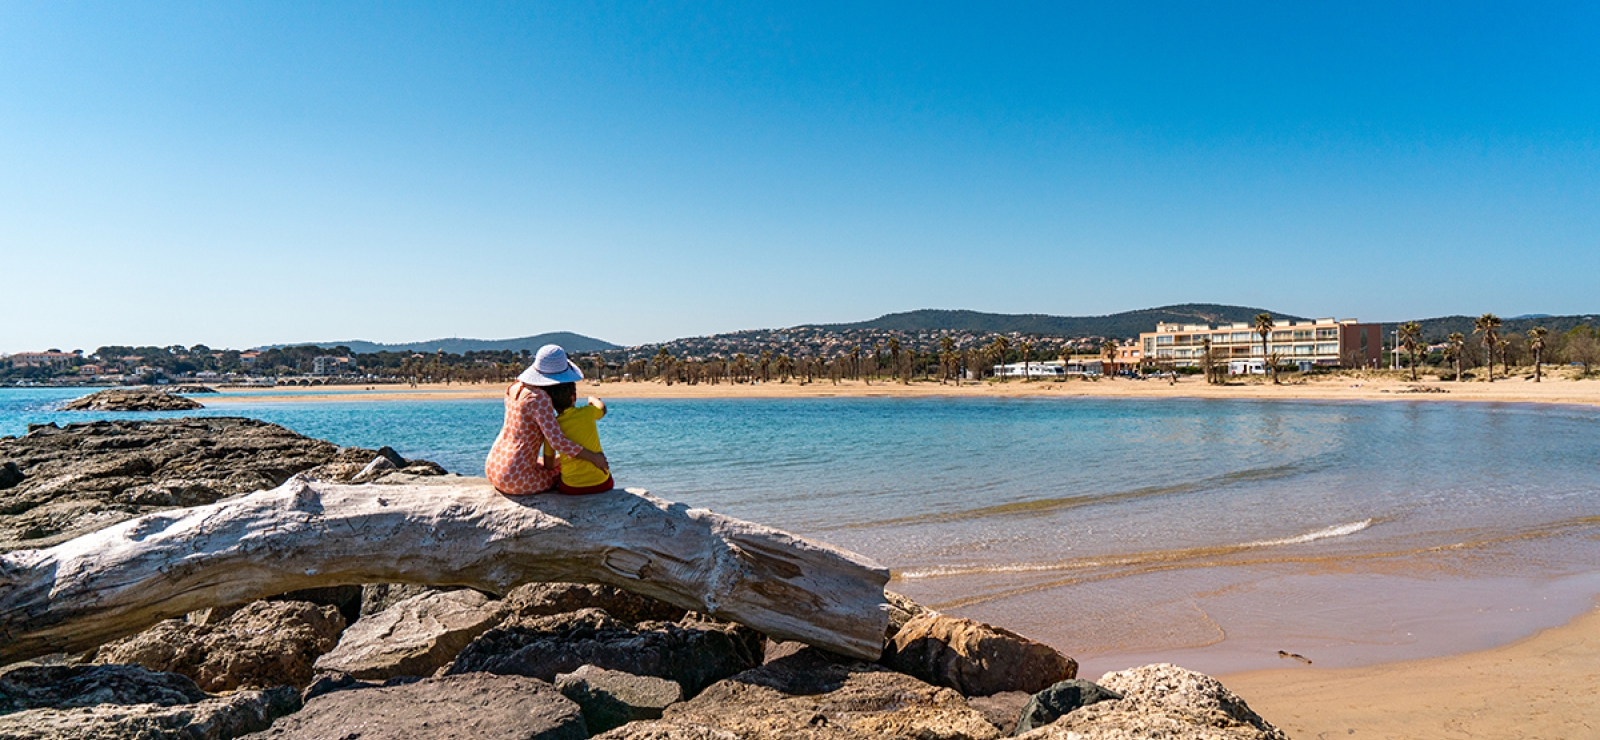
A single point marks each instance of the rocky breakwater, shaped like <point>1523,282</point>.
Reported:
<point>57,483</point>
<point>135,399</point>
<point>542,661</point>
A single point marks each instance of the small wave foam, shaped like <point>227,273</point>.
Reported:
<point>1321,534</point>
<point>946,571</point>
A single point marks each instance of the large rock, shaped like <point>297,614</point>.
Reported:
<point>808,695</point>
<point>666,731</point>
<point>691,651</point>
<point>415,637</point>
<point>69,686</point>
<point>467,707</point>
<point>378,597</point>
<point>974,658</point>
<point>137,399</point>
<point>1161,701</point>
<point>1047,706</point>
<point>267,643</point>
<point>83,477</point>
<point>901,610</point>
<point>223,718</point>
<point>612,698</point>
<point>1002,709</point>
<point>534,600</point>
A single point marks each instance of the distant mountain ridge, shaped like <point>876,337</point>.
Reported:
<point>1122,325</point>
<point>456,345</point>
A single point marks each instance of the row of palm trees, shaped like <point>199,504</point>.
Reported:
<point>1487,327</point>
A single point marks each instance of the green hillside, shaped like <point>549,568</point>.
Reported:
<point>1125,324</point>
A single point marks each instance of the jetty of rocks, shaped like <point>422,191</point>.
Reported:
<point>691,631</point>
<point>136,399</point>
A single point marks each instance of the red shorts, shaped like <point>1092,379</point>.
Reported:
<point>601,487</point>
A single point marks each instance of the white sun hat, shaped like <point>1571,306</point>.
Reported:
<point>551,367</point>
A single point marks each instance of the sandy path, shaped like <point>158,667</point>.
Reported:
<point>1543,686</point>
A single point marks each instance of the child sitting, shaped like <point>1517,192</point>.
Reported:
<point>578,424</point>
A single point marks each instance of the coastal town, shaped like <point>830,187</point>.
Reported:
<point>811,352</point>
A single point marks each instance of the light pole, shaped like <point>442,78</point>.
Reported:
<point>1394,354</point>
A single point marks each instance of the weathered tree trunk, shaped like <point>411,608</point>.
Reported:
<point>120,580</point>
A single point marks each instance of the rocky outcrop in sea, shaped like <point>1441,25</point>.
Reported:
<point>546,660</point>
<point>136,399</point>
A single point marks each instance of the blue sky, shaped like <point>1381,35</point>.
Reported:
<point>246,173</point>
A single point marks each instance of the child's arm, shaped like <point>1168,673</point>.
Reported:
<point>599,404</point>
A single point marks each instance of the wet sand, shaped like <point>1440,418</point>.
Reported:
<point>1556,388</point>
<point>1543,686</point>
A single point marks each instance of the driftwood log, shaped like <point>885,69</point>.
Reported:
<point>451,531</point>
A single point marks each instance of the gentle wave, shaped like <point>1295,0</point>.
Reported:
<point>1048,505</point>
<point>1321,534</point>
<point>1340,530</point>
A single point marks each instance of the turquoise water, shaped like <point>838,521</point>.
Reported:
<point>1209,529</point>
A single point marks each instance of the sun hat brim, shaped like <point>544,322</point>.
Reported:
<point>532,376</point>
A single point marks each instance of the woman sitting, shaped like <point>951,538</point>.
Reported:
<point>514,466</point>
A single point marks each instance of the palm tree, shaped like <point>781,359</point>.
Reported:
<point>1536,337</point>
<point>1410,337</point>
<point>1264,328</point>
<point>894,355</point>
<point>1488,325</point>
<point>947,348</point>
<point>1108,354</point>
<point>1454,347</point>
<point>1504,346</point>
<point>997,350</point>
<point>1026,347</point>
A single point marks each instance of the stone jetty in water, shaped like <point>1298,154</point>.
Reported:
<point>133,399</point>
<point>535,660</point>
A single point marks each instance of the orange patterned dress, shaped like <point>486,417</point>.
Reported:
<point>530,422</point>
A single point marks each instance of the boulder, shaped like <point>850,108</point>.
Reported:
<point>1161,701</point>
<point>27,687</point>
<point>347,599</point>
<point>666,731</point>
<point>901,610</point>
<point>1047,706</point>
<point>222,718</point>
<point>808,695</point>
<point>76,479</point>
<point>136,399</point>
<point>377,597</point>
<point>264,644</point>
<point>415,637</point>
<point>466,707</point>
<point>10,475</point>
<point>974,658</point>
<point>612,698</point>
<point>534,600</point>
<point>692,651</point>
<point>1002,709</point>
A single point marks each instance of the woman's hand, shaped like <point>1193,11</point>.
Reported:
<point>597,459</point>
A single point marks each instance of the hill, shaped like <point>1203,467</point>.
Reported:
<point>1125,324</point>
<point>571,342</point>
<point>1437,329</point>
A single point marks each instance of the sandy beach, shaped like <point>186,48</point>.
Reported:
<point>1543,686</point>
<point>1555,388</point>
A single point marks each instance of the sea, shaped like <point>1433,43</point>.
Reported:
<point>1209,533</point>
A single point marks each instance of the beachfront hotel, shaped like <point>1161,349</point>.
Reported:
<point>1308,344</point>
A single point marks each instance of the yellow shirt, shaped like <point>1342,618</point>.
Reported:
<point>577,423</point>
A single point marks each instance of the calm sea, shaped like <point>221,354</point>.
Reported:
<point>1208,533</point>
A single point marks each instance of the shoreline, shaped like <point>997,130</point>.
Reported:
<point>1353,388</point>
<point>1544,685</point>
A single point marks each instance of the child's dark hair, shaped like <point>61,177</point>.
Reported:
<point>562,395</point>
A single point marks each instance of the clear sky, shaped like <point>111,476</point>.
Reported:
<point>247,173</point>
